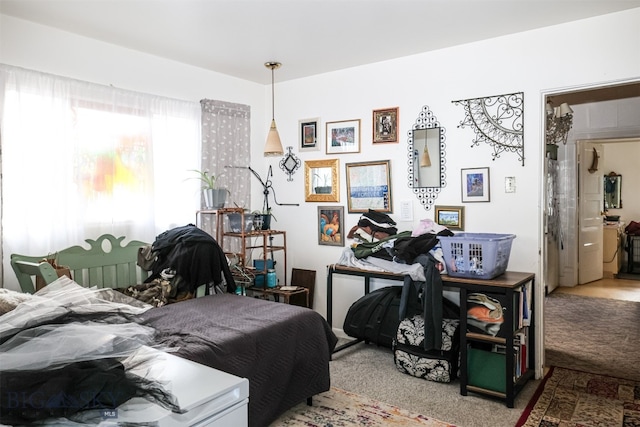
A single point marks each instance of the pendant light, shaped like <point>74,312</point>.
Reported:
<point>273,147</point>
<point>425,159</point>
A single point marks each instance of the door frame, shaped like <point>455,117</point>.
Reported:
<point>542,280</point>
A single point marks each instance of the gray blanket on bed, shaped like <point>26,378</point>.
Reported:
<point>283,350</point>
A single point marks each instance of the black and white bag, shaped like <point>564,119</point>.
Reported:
<point>411,358</point>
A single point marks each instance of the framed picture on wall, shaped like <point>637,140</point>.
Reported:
<point>475,185</point>
<point>369,186</point>
<point>451,217</point>
<point>309,134</point>
<point>385,125</point>
<point>343,137</point>
<point>331,225</point>
<point>321,178</point>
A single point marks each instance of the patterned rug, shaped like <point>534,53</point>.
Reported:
<point>568,398</point>
<point>338,408</point>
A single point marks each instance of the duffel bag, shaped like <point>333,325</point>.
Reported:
<point>411,358</point>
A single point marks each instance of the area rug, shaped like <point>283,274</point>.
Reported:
<point>338,408</point>
<point>568,398</point>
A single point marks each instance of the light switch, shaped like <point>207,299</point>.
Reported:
<point>510,184</point>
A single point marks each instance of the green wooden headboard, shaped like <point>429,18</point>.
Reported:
<point>105,264</point>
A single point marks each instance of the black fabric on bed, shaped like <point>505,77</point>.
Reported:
<point>194,255</point>
<point>283,350</point>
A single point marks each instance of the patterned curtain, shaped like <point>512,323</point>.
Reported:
<point>226,134</point>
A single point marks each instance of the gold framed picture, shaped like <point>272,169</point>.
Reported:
<point>385,125</point>
<point>321,180</point>
<point>451,217</point>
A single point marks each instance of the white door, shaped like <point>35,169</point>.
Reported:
<point>590,200</point>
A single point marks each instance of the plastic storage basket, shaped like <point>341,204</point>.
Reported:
<point>476,255</point>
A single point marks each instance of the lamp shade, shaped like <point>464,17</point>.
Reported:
<point>549,108</point>
<point>273,147</point>
<point>425,159</point>
<point>564,110</point>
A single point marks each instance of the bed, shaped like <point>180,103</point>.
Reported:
<point>283,350</point>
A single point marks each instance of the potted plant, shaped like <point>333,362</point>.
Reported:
<point>322,184</point>
<point>214,197</point>
<point>262,219</point>
<point>235,222</point>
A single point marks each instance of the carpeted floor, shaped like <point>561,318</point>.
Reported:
<point>340,408</point>
<point>584,334</point>
<point>595,335</point>
<point>573,398</point>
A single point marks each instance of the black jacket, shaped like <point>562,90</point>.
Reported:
<point>194,255</point>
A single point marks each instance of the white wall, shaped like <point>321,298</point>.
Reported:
<point>37,47</point>
<point>595,51</point>
<point>623,159</point>
<point>527,62</point>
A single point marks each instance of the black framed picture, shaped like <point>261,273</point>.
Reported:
<point>308,134</point>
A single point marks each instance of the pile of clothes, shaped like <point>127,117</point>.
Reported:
<point>373,226</point>
<point>181,260</point>
<point>633,229</point>
<point>416,254</point>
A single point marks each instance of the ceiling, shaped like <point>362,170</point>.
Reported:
<point>236,37</point>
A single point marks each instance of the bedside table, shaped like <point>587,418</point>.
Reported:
<point>278,292</point>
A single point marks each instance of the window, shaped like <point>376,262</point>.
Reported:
<point>80,160</point>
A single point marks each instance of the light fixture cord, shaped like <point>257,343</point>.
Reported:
<point>273,96</point>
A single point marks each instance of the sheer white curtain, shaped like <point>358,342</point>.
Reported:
<point>81,159</point>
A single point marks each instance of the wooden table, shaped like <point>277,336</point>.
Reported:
<point>507,284</point>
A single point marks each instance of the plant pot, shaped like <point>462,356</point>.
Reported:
<point>235,222</point>
<point>266,221</point>
<point>323,190</point>
<point>214,198</point>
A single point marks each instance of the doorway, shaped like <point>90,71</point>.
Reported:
<point>561,261</point>
<point>556,249</point>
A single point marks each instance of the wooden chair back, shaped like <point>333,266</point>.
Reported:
<point>306,279</point>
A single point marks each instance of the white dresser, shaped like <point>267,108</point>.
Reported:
<point>211,398</point>
<point>612,249</point>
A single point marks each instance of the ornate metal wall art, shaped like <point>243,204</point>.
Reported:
<point>426,195</point>
<point>497,121</point>
<point>289,163</point>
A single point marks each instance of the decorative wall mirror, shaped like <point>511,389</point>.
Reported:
<point>289,163</point>
<point>426,148</point>
<point>426,145</point>
<point>321,180</point>
<point>612,191</point>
